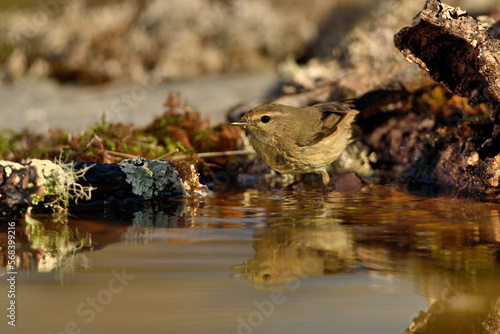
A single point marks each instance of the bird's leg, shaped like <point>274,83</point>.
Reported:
<point>298,179</point>
<point>326,180</point>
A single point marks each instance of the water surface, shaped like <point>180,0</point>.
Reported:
<point>381,260</point>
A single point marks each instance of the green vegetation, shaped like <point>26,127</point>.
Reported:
<point>60,183</point>
<point>180,128</point>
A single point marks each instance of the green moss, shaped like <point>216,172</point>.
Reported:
<point>180,129</point>
<point>125,148</point>
<point>4,144</point>
<point>109,145</point>
<point>201,135</point>
<point>170,145</point>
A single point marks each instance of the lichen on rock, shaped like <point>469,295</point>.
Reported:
<point>59,182</point>
<point>157,178</point>
<point>150,178</point>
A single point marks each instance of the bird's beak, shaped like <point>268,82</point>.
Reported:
<point>239,123</point>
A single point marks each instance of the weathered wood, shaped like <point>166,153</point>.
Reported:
<point>42,181</point>
<point>455,50</point>
<point>140,178</point>
<point>108,181</point>
<point>17,186</point>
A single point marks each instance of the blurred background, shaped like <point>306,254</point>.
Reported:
<point>66,63</point>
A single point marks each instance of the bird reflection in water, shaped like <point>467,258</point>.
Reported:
<point>288,253</point>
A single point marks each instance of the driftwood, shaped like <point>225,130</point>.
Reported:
<point>455,49</point>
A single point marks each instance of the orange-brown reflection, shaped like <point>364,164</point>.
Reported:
<point>446,247</point>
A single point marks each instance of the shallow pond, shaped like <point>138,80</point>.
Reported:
<point>381,260</point>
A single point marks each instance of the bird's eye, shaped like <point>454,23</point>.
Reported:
<point>266,276</point>
<point>265,119</point>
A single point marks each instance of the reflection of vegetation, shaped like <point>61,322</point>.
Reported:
<point>178,214</point>
<point>58,249</point>
<point>160,214</point>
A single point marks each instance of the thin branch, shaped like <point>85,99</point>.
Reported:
<point>214,154</point>
<point>168,154</point>
<point>121,155</point>
<point>185,156</point>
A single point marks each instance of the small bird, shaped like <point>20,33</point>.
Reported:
<point>300,140</point>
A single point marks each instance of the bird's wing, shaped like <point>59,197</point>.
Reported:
<point>335,106</point>
<point>332,114</point>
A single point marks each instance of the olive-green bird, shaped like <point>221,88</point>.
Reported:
<point>300,140</point>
